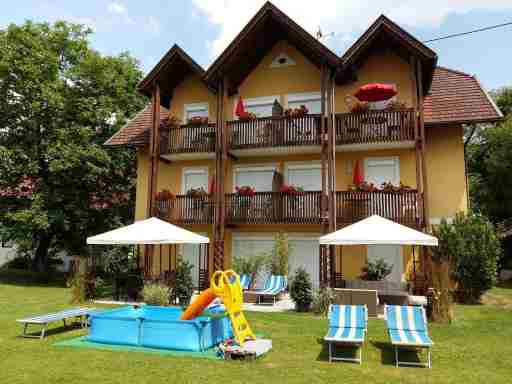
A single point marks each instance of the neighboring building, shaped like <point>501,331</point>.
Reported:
<point>272,59</point>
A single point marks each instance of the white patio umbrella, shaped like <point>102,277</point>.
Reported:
<point>149,231</point>
<point>376,230</point>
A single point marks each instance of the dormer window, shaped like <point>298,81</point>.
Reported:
<point>282,60</point>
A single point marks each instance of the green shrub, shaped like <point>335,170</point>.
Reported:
<point>184,284</point>
<point>472,248</point>
<point>250,265</point>
<point>322,299</point>
<point>156,294</point>
<point>301,290</point>
<point>84,287</point>
<point>376,270</point>
<point>280,255</point>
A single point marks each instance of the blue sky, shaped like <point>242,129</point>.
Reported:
<point>148,28</point>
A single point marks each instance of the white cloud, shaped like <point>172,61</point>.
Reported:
<point>152,25</point>
<point>346,18</point>
<point>115,7</point>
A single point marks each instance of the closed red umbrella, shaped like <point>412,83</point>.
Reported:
<point>375,92</point>
<point>240,109</point>
<point>357,174</point>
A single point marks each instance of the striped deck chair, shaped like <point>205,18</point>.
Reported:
<point>347,327</point>
<point>274,285</point>
<point>245,281</point>
<point>407,329</point>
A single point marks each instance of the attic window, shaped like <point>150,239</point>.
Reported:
<point>282,60</point>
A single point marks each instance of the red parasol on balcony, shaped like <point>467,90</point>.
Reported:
<point>240,109</point>
<point>211,185</point>
<point>375,92</point>
<point>357,174</point>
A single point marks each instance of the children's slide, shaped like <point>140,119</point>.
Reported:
<point>226,286</point>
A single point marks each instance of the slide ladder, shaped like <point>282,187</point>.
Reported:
<point>226,285</point>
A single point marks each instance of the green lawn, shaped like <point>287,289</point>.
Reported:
<point>475,349</point>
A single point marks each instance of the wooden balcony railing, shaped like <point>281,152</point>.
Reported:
<point>186,210</point>
<point>274,132</point>
<point>375,127</point>
<point>192,138</point>
<point>401,207</point>
<point>273,208</point>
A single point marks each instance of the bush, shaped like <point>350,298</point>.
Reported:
<point>280,254</point>
<point>376,270</point>
<point>472,248</point>
<point>84,287</point>
<point>184,285</point>
<point>322,299</point>
<point>301,290</point>
<point>156,294</point>
<point>250,265</point>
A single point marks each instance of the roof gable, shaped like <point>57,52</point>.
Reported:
<point>261,33</point>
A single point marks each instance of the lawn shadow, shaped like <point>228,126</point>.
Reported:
<point>345,351</point>
<point>387,353</point>
<point>35,331</point>
<point>25,278</point>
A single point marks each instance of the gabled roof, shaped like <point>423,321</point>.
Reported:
<point>385,33</point>
<point>457,97</point>
<point>169,71</point>
<point>136,131</point>
<point>264,30</point>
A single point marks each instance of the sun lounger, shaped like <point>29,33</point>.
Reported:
<point>44,320</point>
<point>274,285</point>
<point>407,329</point>
<point>245,281</point>
<point>347,327</point>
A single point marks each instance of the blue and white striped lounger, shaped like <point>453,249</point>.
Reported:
<point>44,320</point>
<point>347,326</point>
<point>245,281</point>
<point>274,285</point>
<point>407,329</point>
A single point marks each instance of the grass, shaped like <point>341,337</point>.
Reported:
<point>475,349</point>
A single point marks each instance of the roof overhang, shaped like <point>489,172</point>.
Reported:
<point>169,72</point>
<point>263,31</point>
<point>384,33</point>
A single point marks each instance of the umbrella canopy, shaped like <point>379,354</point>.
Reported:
<point>149,231</point>
<point>240,109</point>
<point>376,230</point>
<point>375,92</point>
<point>357,174</point>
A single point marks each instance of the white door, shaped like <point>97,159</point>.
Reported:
<point>392,254</point>
<point>195,178</point>
<point>258,177</point>
<point>305,254</point>
<point>307,176</point>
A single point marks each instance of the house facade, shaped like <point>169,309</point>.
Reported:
<point>300,165</point>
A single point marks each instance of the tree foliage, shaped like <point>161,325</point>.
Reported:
<point>471,248</point>
<point>301,290</point>
<point>503,99</point>
<point>59,101</point>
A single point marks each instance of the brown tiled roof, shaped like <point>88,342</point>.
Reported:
<point>456,97</point>
<point>136,131</point>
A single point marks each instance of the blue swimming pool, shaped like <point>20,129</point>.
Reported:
<point>157,327</point>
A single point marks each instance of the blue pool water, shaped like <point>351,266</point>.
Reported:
<point>157,327</point>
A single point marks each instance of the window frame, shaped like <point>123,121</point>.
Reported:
<point>252,167</point>
<point>257,101</point>
<point>195,106</point>
<point>394,159</point>
<point>303,97</point>
<point>188,170</point>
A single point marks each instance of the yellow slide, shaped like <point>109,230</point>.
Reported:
<point>226,285</point>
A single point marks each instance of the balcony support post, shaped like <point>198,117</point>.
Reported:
<point>220,161</point>
<point>331,171</point>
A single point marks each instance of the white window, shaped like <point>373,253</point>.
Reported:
<point>311,100</point>
<point>304,253</point>
<point>305,175</point>
<point>378,170</point>
<point>195,110</point>
<point>195,178</point>
<point>261,178</point>
<point>260,106</point>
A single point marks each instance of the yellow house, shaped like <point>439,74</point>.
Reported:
<point>191,142</point>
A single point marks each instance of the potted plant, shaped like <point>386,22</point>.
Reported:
<point>172,122</point>
<point>301,290</point>
<point>246,193</point>
<point>198,120</point>
<point>296,112</point>
<point>376,270</point>
<point>396,105</point>
<point>292,192</point>
<point>197,193</point>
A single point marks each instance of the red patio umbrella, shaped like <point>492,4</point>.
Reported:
<point>375,92</point>
<point>211,185</point>
<point>357,174</point>
<point>240,109</point>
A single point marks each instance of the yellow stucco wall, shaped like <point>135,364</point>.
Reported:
<point>445,171</point>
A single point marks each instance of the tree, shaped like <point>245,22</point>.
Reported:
<point>59,101</point>
<point>503,99</point>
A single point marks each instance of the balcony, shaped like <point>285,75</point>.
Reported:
<point>376,129</point>
<point>402,207</point>
<point>186,210</point>
<point>274,134</point>
<point>191,141</point>
<point>273,208</point>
